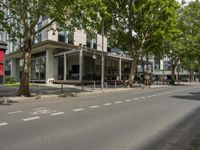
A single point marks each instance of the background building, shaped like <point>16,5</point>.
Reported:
<point>69,56</point>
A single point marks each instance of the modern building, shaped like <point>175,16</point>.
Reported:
<point>71,57</point>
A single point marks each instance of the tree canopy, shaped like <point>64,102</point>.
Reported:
<point>20,18</point>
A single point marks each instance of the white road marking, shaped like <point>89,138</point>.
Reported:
<point>15,112</point>
<point>142,97</point>
<point>153,95</point>
<point>3,124</point>
<point>149,96</point>
<point>95,106</point>
<point>79,109</point>
<point>127,100</point>
<point>38,108</point>
<point>31,118</point>
<point>58,113</point>
<point>107,104</point>
<point>42,111</point>
<point>118,102</point>
<point>136,98</point>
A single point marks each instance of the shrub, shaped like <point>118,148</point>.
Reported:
<point>10,79</point>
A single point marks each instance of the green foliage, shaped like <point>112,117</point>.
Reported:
<point>21,23</point>
<point>190,27</point>
<point>10,79</point>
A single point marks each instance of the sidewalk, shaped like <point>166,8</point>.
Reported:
<point>55,90</point>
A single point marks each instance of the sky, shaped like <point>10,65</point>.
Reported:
<point>185,0</point>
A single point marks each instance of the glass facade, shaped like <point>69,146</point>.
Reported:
<point>92,41</point>
<point>38,69</point>
<point>66,36</point>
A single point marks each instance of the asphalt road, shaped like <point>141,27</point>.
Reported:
<point>150,119</point>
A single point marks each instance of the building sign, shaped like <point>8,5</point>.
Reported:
<point>1,56</point>
<point>1,69</point>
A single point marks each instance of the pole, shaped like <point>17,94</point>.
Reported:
<point>81,67</point>
<point>102,58</point>
<point>163,68</point>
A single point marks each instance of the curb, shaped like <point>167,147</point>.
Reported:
<point>72,94</point>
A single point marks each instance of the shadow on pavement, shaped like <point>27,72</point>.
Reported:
<point>184,135</point>
<point>191,96</point>
<point>42,90</point>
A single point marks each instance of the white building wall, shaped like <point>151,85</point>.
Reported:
<point>50,68</point>
<point>52,35</point>
<point>45,31</point>
<point>79,37</point>
<point>99,43</point>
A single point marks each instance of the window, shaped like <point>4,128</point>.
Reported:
<point>62,36</point>
<point>167,65</point>
<point>66,36</point>
<point>157,64</point>
<point>92,41</point>
<point>39,36</point>
<point>38,69</point>
<point>1,36</point>
<point>44,18</point>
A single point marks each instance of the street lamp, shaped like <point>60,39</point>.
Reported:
<point>102,61</point>
<point>81,47</point>
<point>163,78</point>
<point>102,57</point>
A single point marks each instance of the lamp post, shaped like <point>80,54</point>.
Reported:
<point>81,64</point>
<point>102,57</point>
<point>163,78</point>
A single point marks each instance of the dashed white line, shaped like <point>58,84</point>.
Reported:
<point>142,97</point>
<point>31,118</point>
<point>127,100</point>
<point>118,102</point>
<point>95,106</point>
<point>58,113</point>
<point>15,112</point>
<point>79,109</point>
<point>3,124</point>
<point>149,96</point>
<point>38,108</point>
<point>107,104</point>
<point>135,98</point>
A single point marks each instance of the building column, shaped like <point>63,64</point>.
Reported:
<point>13,68</point>
<point>49,66</point>
<point>120,69</point>
<point>80,65</point>
<point>65,67</point>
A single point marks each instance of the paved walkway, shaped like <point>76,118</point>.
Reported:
<point>55,90</point>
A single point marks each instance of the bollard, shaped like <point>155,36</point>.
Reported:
<point>62,87</point>
<point>94,86</point>
<point>106,83</point>
<point>82,85</point>
<point>115,84</point>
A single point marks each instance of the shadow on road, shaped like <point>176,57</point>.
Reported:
<point>184,135</point>
<point>191,96</point>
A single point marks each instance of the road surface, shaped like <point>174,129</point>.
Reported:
<point>149,119</point>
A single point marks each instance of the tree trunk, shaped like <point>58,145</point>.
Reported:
<point>173,74</point>
<point>24,83</point>
<point>133,71</point>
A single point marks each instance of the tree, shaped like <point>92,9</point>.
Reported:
<point>21,24</point>
<point>190,27</point>
<point>140,26</point>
